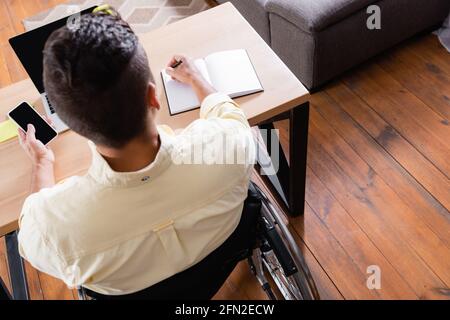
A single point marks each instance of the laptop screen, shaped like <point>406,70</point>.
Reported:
<point>29,47</point>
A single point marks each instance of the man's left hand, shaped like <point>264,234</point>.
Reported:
<point>35,149</point>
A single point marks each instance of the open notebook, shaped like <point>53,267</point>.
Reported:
<point>230,72</point>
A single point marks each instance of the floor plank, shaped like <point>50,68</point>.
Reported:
<point>367,215</point>
<point>356,243</point>
<point>425,207</point>
<point>340,267</point>
<point>426,130</point>
<point>14,10</point>
<point>4,27</point>
<point>417,165</point>
<point>54,289</point>
<point>432,53</point>
<point>383,201</point>
<point>30,8</point>
<point>17,14</point>
<point>4,271</point>
<point>34,282</point>
<point>4,73</point>
<point>229,292</point>
<point>241,278</point>
<point>412,72</point>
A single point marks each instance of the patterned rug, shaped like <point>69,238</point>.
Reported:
<point>143,15</point>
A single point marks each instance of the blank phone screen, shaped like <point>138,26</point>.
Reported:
<point>24,114</point>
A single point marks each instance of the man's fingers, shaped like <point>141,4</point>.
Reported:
<point>170,71</point>
<point>31,135</point>
<point>175,59</point>
<point>23,141</point>
<point>31,131</point>
<point>35,146</point>
<point>179,57</point>
<point>21,135</point>
<point>171,62</point>
<point>40,145</point>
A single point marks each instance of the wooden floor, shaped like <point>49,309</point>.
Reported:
<point>378,189</point>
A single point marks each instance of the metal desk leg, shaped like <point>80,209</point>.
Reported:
<point>298,144</point>
<point>16,268</point>
<point>290,180</point>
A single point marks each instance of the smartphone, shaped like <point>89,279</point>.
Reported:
<point>25,114</point>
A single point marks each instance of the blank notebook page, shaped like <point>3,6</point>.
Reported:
<point>232,72</point>
<point>180,96</point>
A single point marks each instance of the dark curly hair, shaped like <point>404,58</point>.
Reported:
<point>97,76</point>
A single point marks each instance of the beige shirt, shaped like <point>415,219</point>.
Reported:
<point>118,233</point>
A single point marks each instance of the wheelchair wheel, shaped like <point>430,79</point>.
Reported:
<point>281,258</point>
<point>288,286</point>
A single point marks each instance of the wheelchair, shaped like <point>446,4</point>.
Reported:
<point>276,255</point>
<point>262,239</point>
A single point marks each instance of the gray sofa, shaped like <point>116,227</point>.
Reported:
<point>320,39</point>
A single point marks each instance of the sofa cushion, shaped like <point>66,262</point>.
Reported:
<point>316,57</point>
<point>315,15</point>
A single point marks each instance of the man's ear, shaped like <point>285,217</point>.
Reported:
<point>153,101</point>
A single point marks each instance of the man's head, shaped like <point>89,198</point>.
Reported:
<point>99,79</point>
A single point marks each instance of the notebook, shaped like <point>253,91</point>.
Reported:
<point>230,72</point>
<point>8,130</point>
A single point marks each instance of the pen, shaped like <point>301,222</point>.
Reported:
<point>176,64</point>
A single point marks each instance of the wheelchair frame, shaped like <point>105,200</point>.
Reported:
<point>274,239</point>
<point>286,251</point>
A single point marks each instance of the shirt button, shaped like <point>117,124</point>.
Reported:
<point>145,179</point>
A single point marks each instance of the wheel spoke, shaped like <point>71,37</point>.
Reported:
<point>286,285</point>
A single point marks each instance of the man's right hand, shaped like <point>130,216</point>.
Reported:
<point>42,159</point>
<point>188,73</point>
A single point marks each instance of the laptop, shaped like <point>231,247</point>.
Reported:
<point>29,47</point>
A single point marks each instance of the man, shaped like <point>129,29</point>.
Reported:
<point>147,209</point>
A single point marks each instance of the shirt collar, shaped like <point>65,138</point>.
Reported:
<point>102,172</point>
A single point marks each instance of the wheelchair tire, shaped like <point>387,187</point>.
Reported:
<point>297,285</point>
<point>291,285</point>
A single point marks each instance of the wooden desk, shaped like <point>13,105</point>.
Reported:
<point>220,28</point>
